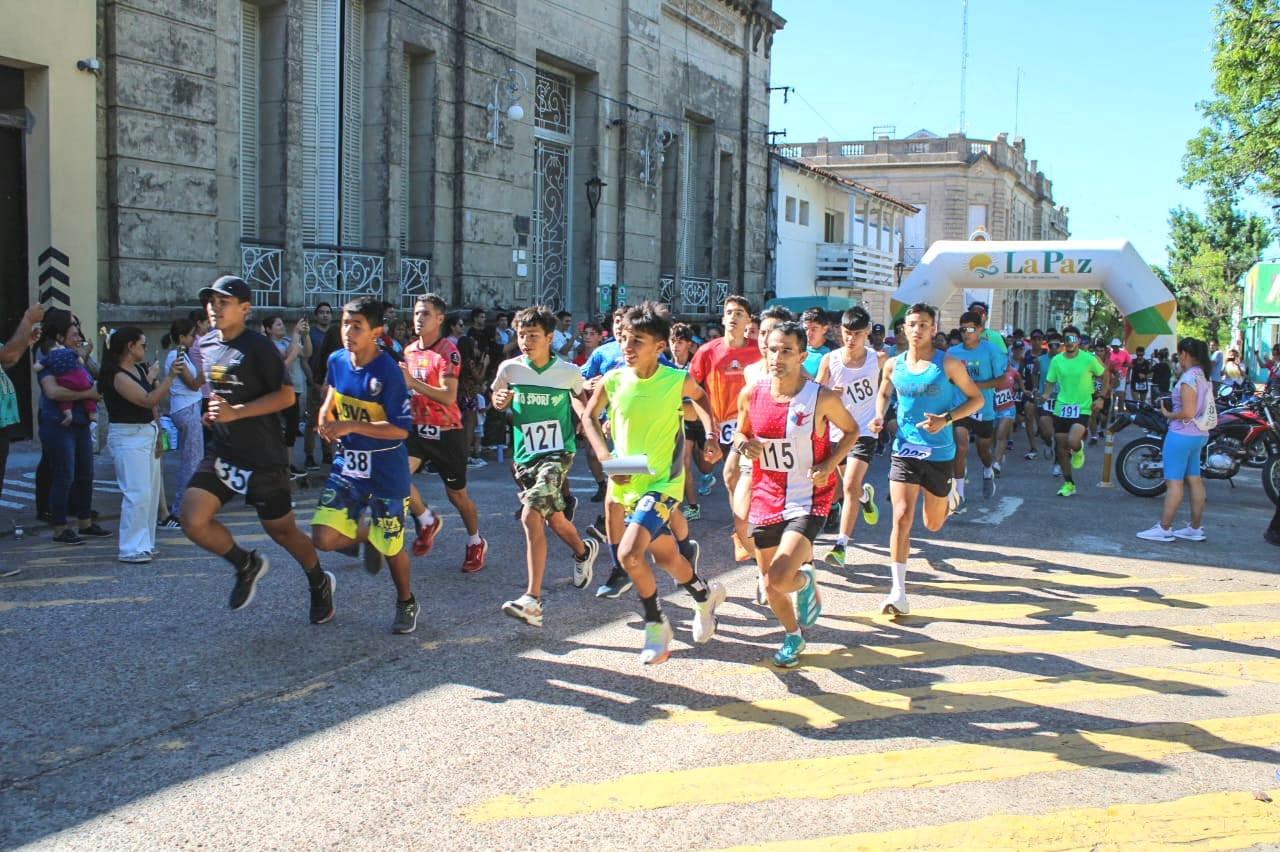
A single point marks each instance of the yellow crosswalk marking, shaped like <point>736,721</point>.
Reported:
<point>992,584</point>
<point>1208,821</point>
<point>847,775</point>
<point>829,709</point>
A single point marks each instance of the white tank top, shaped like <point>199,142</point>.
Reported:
<point>858,388</point>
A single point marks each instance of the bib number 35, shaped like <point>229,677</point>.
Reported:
<point>235,478</point>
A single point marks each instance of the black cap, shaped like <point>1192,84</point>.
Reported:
<point>877,329</point>
<point>228,285</point>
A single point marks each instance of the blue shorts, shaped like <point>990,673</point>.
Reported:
<point>652,511</point>
<point>1182,455</point>
<point>1007,413</point>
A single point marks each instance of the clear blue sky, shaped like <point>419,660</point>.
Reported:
<point>1107,103</point>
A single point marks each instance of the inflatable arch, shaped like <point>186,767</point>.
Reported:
<point>1113,266</point>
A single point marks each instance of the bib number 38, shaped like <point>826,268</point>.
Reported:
<point>357,464</point>
<point>235,478</point>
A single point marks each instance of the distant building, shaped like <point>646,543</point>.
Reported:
<point>959,185</point>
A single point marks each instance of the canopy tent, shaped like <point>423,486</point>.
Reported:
<point>1112,266</point>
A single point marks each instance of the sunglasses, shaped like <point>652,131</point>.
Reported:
<point>968,329</point>
<point>1071,338</point>
<point>1055,343</point>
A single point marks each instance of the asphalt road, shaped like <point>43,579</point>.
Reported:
<point>1059,683</point>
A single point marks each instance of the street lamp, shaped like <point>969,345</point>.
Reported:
<point>594,186</point>
<point>898,269</point>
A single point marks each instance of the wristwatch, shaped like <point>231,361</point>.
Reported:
<point>948,416</point>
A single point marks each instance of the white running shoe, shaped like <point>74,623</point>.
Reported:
<point>1156,533</point>
<point>895,604</point>
<point>525,608</point>
<point>582,571</point>
<point>704,614</point>
<point>1057,469</point>
<point>954,500</point>
<point>1190,533</point>
<point>761,598</point>
<point>657,636</point>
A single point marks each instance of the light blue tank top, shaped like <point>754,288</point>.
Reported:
<point>926,392</point>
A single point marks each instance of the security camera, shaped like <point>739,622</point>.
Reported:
<point>91,64</point>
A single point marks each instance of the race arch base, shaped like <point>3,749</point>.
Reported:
<point>1113,266</point>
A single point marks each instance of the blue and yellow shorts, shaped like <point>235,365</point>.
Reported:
<point>343,502</point>
<point>652,511</point>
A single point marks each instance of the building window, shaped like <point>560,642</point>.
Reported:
<point>250,97</point>
<point>977,218</point>
<point>789,211</point>
<point>833,227</point>
<point>803,218</point>
<point>552,187</point>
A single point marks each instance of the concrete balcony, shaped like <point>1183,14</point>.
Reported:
<point>854,266</point>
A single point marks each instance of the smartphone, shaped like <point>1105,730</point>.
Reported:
<point>581,327</point>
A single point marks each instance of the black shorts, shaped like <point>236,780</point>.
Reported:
<point>1062,425</point>
<point>695,433</point>
<point>769,536</point>
<point>448,453</point>
<point>932,476</point>
<point>266,489</point>
<point>864,449</point>
<point>977,428</point>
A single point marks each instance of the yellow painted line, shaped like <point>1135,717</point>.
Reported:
<point>1209,821</point>
<point>830,709</point>
<point>1045,642</point>
<point>1005,585</point>
<point>54,581</point>
<point>300,693</point>
<point>5,606</point>
<point>848,775</point>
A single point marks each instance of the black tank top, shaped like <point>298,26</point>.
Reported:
<point>121,410</point>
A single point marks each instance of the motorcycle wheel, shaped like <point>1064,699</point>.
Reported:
<point>1271,479</point>
<point>1145,452</point>
<point>1261,451</point>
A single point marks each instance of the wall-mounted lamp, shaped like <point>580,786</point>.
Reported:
<point>92,65</point>
<point>506,99</point>
<point>653,155</point>
<point>898,269</point>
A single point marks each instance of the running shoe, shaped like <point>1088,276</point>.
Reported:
<point>789,654</point>
<point>962,506</point>
<point>739,551</point>
<point>475,463</point>
<point>1047,450</point>
<point>995,468</point>
<point>1270,536</point>
<point>657,636</point>
<point>1189,533</point>
<point>322,599</point>
<point>601,487</point>
<point>94,531</point>
<point>870,514</point>
<point>895,604</point>
<point>762,599</point>
<point>136,558</point>
<point>583,568</point>
<point>1156,533</point>
<point>808,599</point>
<point>406,616</point>
<point>1008,445</point>
<point>297,470</point>
<point>594,530</point>
<point>247,580</point>
<point>954,500</point>
<point>1093,440</point>
<point>832,523</point>
<point>616,586</point>
<point>525,608</point>
<point>1056,470</point>
<point>372,558</point>
<point>473,561</point>
<point>706,484</point>
<point>310,463</point>
<point>704,614</point>
<point>692,512</point>
<point>1067,490</point>
<point>1031,456</point>
<point>1077,458</point>
<point>695,553</point>
<point>68,536</point>
<point>988,487</point>
<point>835,557</point>
<point>570,508</point>
<point>171,523</point>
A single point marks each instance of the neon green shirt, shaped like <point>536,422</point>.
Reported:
<point>646,417</point>
<point>1074,378</point>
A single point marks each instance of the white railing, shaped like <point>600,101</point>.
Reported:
<point>337,275</point>
<point>415,279</point>
<point>980,148</point>
<point>856,149</point>
<point>851,265</point>
<point>261,268</point>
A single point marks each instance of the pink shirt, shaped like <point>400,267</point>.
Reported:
<point>1120,360</point>
<point>1194,377</point>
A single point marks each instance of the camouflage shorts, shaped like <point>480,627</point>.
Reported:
<point>542,483</point>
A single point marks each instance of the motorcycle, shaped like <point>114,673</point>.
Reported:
<point>1139,464</point>
<point>1251,420</point>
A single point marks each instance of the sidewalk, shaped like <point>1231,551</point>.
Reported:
<point>17,502</point>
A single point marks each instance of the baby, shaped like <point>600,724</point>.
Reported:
<point>71,375</point>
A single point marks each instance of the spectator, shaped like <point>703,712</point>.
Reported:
<point>1232,372</point>
<point>321,318</point>
<point>1161,373</point>
<point>184,409</point>
<point>453,327</point>
<point>23,338</point>
<point>475,363</point>
<point>1272,366</point>
<point>1215,363</point>
<point>592,335</point>
<point>293,351</point>
<point>562,342</point>
<point>505,335</point>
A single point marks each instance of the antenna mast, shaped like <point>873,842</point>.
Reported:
<point>964,62</point>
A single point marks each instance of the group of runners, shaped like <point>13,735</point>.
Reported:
<point>795,439</point>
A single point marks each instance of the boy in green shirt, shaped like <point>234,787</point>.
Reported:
<point>1071,375</point>
<point>541,390</point>
<point>646,418</point>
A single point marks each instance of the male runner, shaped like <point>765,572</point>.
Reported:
<point>816,327</point>
<point>1007,401</point>
<point>1044,419</point>
<point>985,363</point>
<point>1030,370</point>
<point>853,371</point>
<point>718,366</point>
<point>248,391</point>
<point>539,389</point>
<point>366,414</point>
<point>1070,380</point>
<point>925,380</point>
<point>1141,374</point>
<point>431,368</point>
<point>784,427</point>
<point>645,403</point>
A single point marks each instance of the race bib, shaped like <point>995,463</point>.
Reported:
<point>913,451</point>
<point>357,464</point>
<point>1069,412</point>
<point>235,478</point>
<point>544,436</point>
<point>1004,397</point>
<point>727,428</point>
<point>1140,386</point>
<point>860,391</point>
<point>431,433</point>
<point>777,454</point>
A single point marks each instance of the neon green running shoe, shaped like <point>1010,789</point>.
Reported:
<point>870,513</point>
<point>836,557</point>
<point>789,654</point>
<point>1077,458</point>
<point>1067,489</point>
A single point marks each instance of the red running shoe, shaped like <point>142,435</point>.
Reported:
<point>426,537</point>
<point>474,560</point>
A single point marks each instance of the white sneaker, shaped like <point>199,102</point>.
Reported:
<point>1189,533</point>
<point>525,608</point>
<point>583,570</point>
<point>704,614</point>
<point>657,636</point>
<point>895,604</point>
<point>1057,469</point>
<point>761,598</point>
<point>1157,533</point>
<point>954,500</point>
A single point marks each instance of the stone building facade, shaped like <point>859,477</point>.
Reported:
<point>331,148</point>
<point>959,185</point>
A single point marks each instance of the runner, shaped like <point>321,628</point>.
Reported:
<point>248,391</point>
<point>816,326</point>
<point>540,391</point>
<point>853,371</point>
<point>645,403</point>
<point>926,380</point>
<point>718,366</point>
<point>1030,371</point>
<point>1141,374</point>
<point>1044,420</point>
<point>986,364</point>
<point>366,415</point>
<point>1070,380</point>
<point>784,427</point>
<point>1007,402</point>
<point>695,433</point>
<point>431,367</point>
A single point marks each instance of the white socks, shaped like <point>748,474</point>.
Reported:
<point>898,574</point>
<point>988,473</point>
<point>427,518</point>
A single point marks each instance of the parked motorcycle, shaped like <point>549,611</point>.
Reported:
<point>1252,421</point>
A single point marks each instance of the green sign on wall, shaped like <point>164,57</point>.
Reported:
<point>1262,290</point>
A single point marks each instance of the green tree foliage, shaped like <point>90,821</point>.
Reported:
<point>1207,257</point>
<point>1239,150</point>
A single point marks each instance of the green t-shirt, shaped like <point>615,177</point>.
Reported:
<point>646,418</point>
<point>8,401</point>
<point>541,414</point>
<point>1074,378</point>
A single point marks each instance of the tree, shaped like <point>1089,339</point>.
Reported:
<point>1239,150</point>
<point>1207,258</point>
